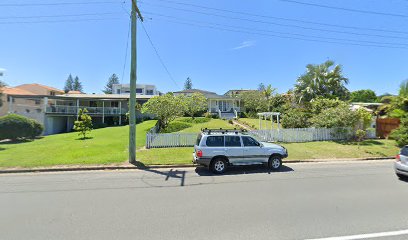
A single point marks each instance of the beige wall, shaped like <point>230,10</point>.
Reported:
<point>24,107</point>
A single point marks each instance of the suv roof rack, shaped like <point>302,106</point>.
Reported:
<point>223,131</point>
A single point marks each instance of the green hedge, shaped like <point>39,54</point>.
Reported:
<point>15,127</point>
<point>195,120</point>
<point>176,126</point>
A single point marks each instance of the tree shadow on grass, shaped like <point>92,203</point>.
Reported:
<point>18,141</point>
<point>370,142</point>
<point>83,139</point>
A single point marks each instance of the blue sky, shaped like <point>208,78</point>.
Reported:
<point>193,42</point>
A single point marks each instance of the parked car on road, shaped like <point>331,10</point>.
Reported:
<point>220,148</point>
<point>401,165</point>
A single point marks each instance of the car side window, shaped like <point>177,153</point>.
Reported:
<point>250,142</point>
<point>404,151</point>
<point>232,141</point>
<point>215,141</point>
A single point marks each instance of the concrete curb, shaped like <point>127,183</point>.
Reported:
<point>131,167</point>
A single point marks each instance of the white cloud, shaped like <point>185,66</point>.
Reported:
<point>245,44</point>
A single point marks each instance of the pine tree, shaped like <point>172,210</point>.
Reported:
<point>77,85</point>
<point>68,84</point>
<point>188,84</point>
<point>2,85</point>
<point>109,85</point>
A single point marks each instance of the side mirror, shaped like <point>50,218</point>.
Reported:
<point>261,145</point>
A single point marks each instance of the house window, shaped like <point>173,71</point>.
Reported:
<point>115,104</point>
<point>92,104</point>
<point>117,91</point>
<point>52,93</point>
<point>28,110</point>
<point>37,102</point>
<point>139,90</point>
<point>149,92</point>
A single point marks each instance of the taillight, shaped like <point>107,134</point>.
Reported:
<point>398,157</point>
<point>199,153</point>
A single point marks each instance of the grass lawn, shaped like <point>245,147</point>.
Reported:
<point>252,121</point>
<point>297,151</point>
<point>213,123</point>
<point>107,145</point>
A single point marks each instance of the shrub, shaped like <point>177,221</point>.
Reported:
<point>15,127</point>
<point>176,126</point>
<point>230,121</point>
<point>401,133</point>
<point>336,117</point>
<point>193,120</point>
<point>84,123</point>
<point>37,129</point>
<point>295,118</point>
<point>360,135</point>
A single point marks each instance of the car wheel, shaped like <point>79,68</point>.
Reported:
<point>218,166</point>
<point>400,176</point>
<point>275,163</point>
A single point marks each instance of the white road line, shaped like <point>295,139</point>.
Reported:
<point>365,236</point>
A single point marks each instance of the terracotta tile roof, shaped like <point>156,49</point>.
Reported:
<point>43,86</point>
<point>15,91</point>
<point>74,92</point>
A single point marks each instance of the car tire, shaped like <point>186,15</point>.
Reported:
<point>400,176</point>
<point>275,163</point>
<point>218,166</point>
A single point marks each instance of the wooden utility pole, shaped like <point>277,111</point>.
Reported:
<point>133,78</point>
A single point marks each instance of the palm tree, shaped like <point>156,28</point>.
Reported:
<point>324,80</point>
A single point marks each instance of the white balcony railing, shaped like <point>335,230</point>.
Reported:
<point>62,109</point>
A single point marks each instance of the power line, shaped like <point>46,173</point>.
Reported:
<point>347,9</point>
<point>277,32</point>
<point>63,15</point>
<point>126,52</point>
<point>284,37</point>
<point>275,23</point>
<point>284,19</point>
<point>158,55</point>
<point>54,4</point>
<point>61,21</point>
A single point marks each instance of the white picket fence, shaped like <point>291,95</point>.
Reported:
<point>167,140</point>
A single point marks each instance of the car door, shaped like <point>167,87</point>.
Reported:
<point>253,152</point>
<point>233,149</point>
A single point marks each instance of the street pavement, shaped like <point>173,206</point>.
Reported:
<point>303,201</point>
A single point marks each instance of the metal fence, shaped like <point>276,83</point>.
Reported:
<point>163,140</point>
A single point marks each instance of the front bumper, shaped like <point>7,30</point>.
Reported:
<point>401,168</point>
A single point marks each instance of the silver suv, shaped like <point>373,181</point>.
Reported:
<point>219,148</point>
<point>401,165</point>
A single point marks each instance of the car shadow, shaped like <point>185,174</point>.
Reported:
<point>239,170</point>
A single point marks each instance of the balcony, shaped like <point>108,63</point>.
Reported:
<point>72,110</point>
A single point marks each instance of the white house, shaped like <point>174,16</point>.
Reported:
<point>224,105</point>
<point>141,89</point>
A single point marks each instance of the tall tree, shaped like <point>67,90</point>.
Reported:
<point>2,85</point>
<point>325,80</point>
<point>364,95</point>
<point>109,85</point>
<point>77,85</point>
<point>194,104</point>
<point>188,84</point>
<point>403,91</point>
<point>69,84</point>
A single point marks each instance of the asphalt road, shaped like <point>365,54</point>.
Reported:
<point>304,201</point>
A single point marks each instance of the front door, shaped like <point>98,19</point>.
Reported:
<point>223,105</point>
<point>253,152</point>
